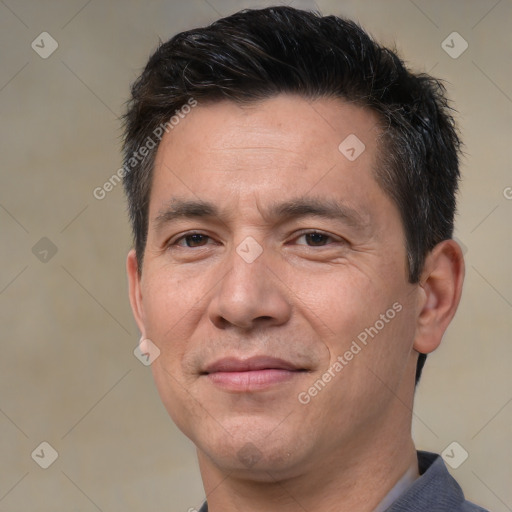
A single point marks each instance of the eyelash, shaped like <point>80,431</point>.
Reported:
<point>175,243</point>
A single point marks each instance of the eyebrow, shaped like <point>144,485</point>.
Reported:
<point>319,207</point>
<point>295,208</point>
<point>184,209</point>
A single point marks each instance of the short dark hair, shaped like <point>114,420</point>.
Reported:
<point>257,54</point>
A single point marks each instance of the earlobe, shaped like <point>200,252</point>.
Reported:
<point>441,288</point>
<point>134,290</point>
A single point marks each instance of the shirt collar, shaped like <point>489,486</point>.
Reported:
<point>407,479</point>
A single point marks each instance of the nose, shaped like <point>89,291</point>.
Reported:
<point>250,295</point>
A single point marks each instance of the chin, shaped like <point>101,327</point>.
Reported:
<point>250,463</point>
<point>259,457</point>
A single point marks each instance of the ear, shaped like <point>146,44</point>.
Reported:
<point>134,287</point>
<point>441,288</point>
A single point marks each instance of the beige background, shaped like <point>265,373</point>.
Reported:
<point>68,375</point>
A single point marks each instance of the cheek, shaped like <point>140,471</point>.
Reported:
<point>169,306</point>
<point>351,302</point>
<point>386,344</point>
<point>171,309</point>
<point>182,406</point>
<point>371,321</point>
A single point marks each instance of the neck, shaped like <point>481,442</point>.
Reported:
<point>348,479</point>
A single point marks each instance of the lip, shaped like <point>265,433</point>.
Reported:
<point>253,374</point>
<point>233,364</point>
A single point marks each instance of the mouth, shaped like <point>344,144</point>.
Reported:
<point>253,374</point>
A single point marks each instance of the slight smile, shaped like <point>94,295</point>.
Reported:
<point>254,374</point>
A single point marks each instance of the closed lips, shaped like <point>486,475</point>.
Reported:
<point>231,364</point>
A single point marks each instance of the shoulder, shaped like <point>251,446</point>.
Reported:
<point>435,489</point>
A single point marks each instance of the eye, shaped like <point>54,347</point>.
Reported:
<point>191,240</point>
<point>315,239</point>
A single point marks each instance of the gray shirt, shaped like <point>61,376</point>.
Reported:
<point>435,490</point>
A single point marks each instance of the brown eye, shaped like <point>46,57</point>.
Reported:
<point>192,240</point>
<point>316,239</point>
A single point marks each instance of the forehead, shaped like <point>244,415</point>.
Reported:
<point>290,123</point>
<point>278,147</point>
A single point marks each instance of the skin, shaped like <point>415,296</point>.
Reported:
<point>304,299</point>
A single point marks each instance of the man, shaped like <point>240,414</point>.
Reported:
<point>291,187</point>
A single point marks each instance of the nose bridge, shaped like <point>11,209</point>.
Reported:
<point>249,250</point>
<point>249,277</point>
<point>249,291</point>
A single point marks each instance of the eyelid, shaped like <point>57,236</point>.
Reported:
<point>303,232</point>
<point>175,239</point>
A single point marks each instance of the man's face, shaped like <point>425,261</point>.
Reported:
<point>251,309</point>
